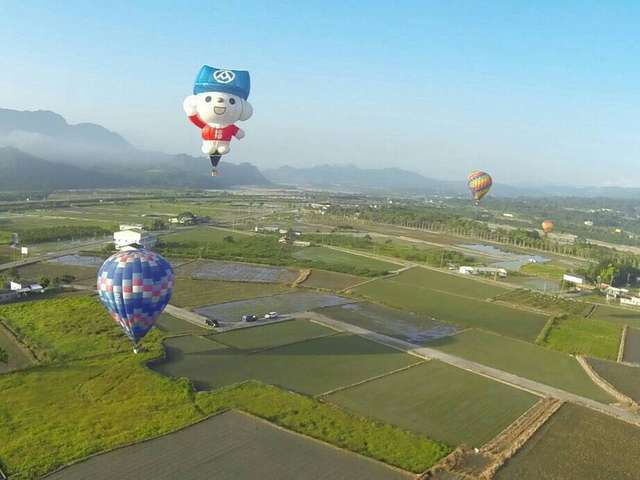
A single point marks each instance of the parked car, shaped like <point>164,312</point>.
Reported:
<point>249,318</point>
<point>212,322</point>
<point>271,315</point>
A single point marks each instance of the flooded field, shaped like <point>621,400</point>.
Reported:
<point>238,272</point>
<point>508,260</point>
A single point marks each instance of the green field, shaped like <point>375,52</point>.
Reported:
<point>524,359</point>
<point>440,401</point>
<point>14,358</point>
<point>584,336</point>
<point>577,444</point>
<point>632,346</point>
<point>450,283</point>
<point>422,291</point>
<point>201,235</point>
<point>229,446</point>
<point>544,270</point>
<point>175,326</point>
<point>35,271</point>
<point>621,316</point>
<point>331,280</point>
<point>102,387</point>
<point>389,321</point>
<point>622,377</point>
<point>278,334</point>
<point>333,258</point>
<point>312,367</point>
<point>552,304</point>
<point>191,293</point>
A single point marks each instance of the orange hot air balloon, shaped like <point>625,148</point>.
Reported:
<point>547,226</point>
<point>479,184</point>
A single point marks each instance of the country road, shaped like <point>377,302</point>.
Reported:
<point>521,383</point>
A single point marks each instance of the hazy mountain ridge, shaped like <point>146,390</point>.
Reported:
<point>42,151</point>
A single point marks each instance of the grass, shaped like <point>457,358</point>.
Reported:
<point>632,346</point>
<point>584,336</point>
<point>99,396</point>
<point>423,294</point>
<point>311,367</point>
<point>12,357</point>
<point>45,327</point>
<point>334,258</point>
<point>191,293</point>
<point>440,401</point>
<point>544,270</point>
<point>524,359</point>
<point>275,335</point>
<point>201,235</point>
<point>624,378</point>
<point>577,443</point>
<point>331,280</point>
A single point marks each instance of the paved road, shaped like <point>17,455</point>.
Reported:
<point>521,383</point>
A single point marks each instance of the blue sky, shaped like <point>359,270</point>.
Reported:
<point>530,91</point>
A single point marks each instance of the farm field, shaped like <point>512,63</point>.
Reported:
<point>237,272</point>
<point>331,280</point>
<point>172,325</point>
<point>585,336</point>
<point>334,258</point>
<point>190,293</point>
<point>632,346</point>
<point>102,387</point>
<point>17,358</point>
<point>622,377</point>
<point>389,321</point>
<point>449,283</point>
<point>422,294</point>
<point>275,335</point>
<point>283,303</point>
<point>51,270</point>
<point>440,401</point>
<point>200,235</point>
<point>527,360</point>
<point>78,260</point>
<point>622,316</point>
<point>229,446</point>
<point>548,303</point>
<point>577,444</point>
<point>312,367</point>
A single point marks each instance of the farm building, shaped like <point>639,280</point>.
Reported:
<point>300,243</point>
<point>576,280</point>
<point>126,238</point>
<point>634,301</point>
<point>25,288</point>
<point>498,272</point>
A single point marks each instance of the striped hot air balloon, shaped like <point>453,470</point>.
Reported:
<point>547,226</point>
<point>135,286</point>
<point>479,184</point>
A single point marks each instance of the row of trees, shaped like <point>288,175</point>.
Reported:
<point>63,232</point>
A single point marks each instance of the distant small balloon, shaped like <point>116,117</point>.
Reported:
<point>547,226</point>
<point>135,286</point>
<point>479,184</point>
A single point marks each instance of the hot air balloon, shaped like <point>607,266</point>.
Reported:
<point>547,226</point>
<point>219,100</point>
<point>479,184</point>
<point>135,286</point>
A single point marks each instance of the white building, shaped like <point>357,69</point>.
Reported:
<point>126,238</point>
<point>575,279</point>
<point>467,270</point>
<point>300,243</point>
<point>635,301</point>
<point>135,226</point>
<point>22,288</point>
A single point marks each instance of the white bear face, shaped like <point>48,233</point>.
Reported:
<point>220,108</point>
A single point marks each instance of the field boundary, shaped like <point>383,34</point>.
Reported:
<point>367,380</point>
<point>602,383</point>
<point>21,346</point>
<point>187,315</point>
<point>623,341</point>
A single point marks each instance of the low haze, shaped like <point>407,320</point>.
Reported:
<point>436,87</point>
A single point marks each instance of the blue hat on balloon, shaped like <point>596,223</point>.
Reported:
<point>235,82</point>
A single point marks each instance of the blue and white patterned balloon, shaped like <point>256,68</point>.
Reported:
<point>135,286</point>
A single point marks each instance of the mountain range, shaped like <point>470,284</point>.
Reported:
<point>39,150</point>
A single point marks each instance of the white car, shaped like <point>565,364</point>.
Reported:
<point>271,315</point>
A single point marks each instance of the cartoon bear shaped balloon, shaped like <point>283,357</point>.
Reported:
<point>219,100</point>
